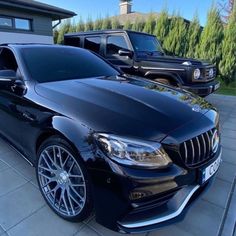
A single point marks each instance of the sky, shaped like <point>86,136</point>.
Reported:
<point>95,8</point>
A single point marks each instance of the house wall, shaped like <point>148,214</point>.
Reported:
<point>41,28</point>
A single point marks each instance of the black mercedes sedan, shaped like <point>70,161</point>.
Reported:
<point>135,152</point>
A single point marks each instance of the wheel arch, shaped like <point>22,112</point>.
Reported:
<point>67,129</point>
<point>170,76</point>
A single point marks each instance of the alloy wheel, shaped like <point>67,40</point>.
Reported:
<point>61,180</point>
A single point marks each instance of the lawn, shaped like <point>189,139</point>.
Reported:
<point>227,89</point>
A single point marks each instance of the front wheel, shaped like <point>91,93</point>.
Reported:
<point>63,180</point>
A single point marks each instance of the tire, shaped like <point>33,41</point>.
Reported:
<point>63,180</point>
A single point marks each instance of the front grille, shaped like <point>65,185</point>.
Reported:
<point>198,149</point>
<point>207,75</point>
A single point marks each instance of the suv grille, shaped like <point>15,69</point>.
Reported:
<point>208,74</point>
<point>198,149</point>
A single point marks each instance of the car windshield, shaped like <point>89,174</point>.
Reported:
<point>48,64</point>
<point>145,43</point>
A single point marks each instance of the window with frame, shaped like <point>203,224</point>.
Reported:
<point>93,43</point>
<point>6,22</point>
<point>15,23</point>
<point>115,43</point>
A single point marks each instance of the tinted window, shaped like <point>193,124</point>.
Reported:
<point>73,41</point>
<point>145,43</point>
<point>5,22</point>
<point>23,24</point>
<point>48,64</point>
<point>115,43</point>
<point>92,43</point>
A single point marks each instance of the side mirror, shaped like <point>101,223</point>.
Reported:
<point>125,52</point>
<point>7,78</point>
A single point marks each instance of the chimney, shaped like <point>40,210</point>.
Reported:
<point>125,7</point>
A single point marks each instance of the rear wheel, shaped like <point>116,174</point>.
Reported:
<point>63,180</point>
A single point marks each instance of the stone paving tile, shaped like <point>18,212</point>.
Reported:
<point>229,156</point>
<point>228,143</point>
<point>10,180</point>
<point>26,170</point>
<point>45,223</point>
<point>12,158</point>
<point>171,230</point>
<point>227,172</point>
<point>228,133</point>
<point>19,204</point>
<point>87,231</point>
<point>4,147</point>
<point>229,125</point>
<point>3,166</point>
<point>203,218</point>
<point>1,230</point>
<point>213,196</point>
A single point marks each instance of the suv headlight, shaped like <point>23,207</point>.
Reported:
<point>196,74</point>
<point>133,152</point>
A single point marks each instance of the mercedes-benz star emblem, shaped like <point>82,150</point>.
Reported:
<point>215,141</point>
<point>211,73</point>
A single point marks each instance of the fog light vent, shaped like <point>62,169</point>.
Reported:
<point>137,195</point>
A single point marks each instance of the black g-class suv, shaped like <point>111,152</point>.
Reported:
<point>141,54</point>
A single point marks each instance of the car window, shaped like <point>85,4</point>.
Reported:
<point>93,43</point>
<point>7,60</point>
<point>48,64</point>
<point>115,43</point>
<point>72,41</point>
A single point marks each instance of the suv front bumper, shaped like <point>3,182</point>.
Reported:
<point>203,89</point>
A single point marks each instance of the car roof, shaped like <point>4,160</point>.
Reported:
<point>31,45</point>
<point>103,32</point>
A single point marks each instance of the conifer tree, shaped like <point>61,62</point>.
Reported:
<point>127,25</point>
<point>106,23</point>
<point>211,38</point>
<point>176,39</point>
<point>80,26</point>
<point>98,23</point>
<point>162,26</point>
<point>115,24</point>
<point>228,62</point>
<point>138,25</point>
<point>193,37</point>
<point>150,24</point>
<point>64,28</point>
<point>89,24</point>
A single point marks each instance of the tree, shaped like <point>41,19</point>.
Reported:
<point>162,26</point>
<point>89,24</point>
<point>176,39</point>
<point>193,37</point>
<point>228,63</point>
<point>138,25</point>
<point>55,35</point>
<point>115,24</point>
<point>127,25</point>
<point>106,23</point>
<point>80,26</point>
<point>98,23</point>
<point>149,24</point>
<point>63,29</point>
<point>211,37</point>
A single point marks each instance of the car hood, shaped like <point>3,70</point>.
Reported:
<point>125,106</point>
<point>170,59</point>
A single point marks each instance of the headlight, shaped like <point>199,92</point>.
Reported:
<point>133,152</point>
<point>196,74</point>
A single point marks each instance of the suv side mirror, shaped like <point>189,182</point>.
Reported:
<point>125,52</point>
<point>7,78</point>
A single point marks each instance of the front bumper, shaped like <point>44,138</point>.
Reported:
<point>203,89</point>
<point>134,201</point>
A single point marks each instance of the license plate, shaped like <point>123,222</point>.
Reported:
<point>217,86</point>
<point>209,171</point>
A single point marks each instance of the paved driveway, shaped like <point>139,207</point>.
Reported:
<point>23,211</point>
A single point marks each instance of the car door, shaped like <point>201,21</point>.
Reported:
<point>114,43</point>
<point>17,113</point>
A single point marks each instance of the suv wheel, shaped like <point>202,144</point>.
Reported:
<point>63,180</point>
